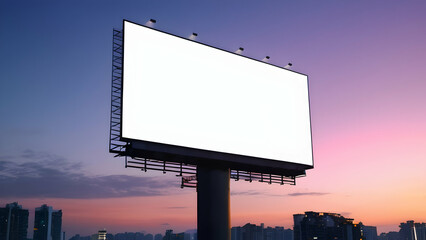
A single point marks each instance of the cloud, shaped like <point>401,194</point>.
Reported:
<point>262,193</point>
<point>247,193</point>
<point>307,194</point>
<point>34,174</point>
<point>43,175</point>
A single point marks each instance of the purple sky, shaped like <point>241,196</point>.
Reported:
<point>365,61</point>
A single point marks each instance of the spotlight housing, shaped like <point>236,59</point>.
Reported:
<point>193,36</point>
<point>240,50</point>
<point>266,59</point>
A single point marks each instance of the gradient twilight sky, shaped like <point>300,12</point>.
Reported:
<point>366,64</point>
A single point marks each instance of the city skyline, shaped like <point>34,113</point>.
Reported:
<point>168,227</point>
<point>307,225</point>
<point>367,82</point>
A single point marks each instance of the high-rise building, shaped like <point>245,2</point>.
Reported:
<point>277,233</point>
<point>13,222</point>
<point>47,223</point>
<point>253,232</point>
<point>325,226</point>
<point>411,230</point>
<point>297,219</point>
<point>236,233</point>
<point>102,234</point>
<point>173,236</point>
<point>369,232</point>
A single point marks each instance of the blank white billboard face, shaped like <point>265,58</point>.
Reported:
<point>183,93</point>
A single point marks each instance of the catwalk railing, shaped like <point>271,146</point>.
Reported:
<point>188,172</point>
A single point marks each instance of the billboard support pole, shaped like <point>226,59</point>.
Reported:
<point>213,203</point>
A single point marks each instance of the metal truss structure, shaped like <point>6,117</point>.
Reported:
<point>187,172</point>
<point>115,145</point>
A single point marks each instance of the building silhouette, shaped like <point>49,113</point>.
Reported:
<point>253,232</point>
<point>47,223</point>
<point>130,236</point>
<point>325,226</point>
<point>389,236</point>
<point>148,237</point>
<point>78,237</point>
<point>277,233</point>
<point>412,231</point>
<point>119,236</point>
<point>236,233</point>
<point>13,222</point>
<point>369,232</point>
<point>102,235</point>
<point>173,236</point>
<point>409,230</point>
<point>250,232</point>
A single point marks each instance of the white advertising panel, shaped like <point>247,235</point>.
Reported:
<point>183,93</point>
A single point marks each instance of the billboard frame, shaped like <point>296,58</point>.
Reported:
<point>180,154</point>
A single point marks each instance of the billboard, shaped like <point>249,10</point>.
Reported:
<point>190,102</point>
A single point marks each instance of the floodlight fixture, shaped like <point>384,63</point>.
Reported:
<point>240,50</point>
<point>193,36</point>
<point>266,59</point>
<point>150,22</point>
<point>288,66</point>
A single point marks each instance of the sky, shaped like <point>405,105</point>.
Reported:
<point>365,61</point>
